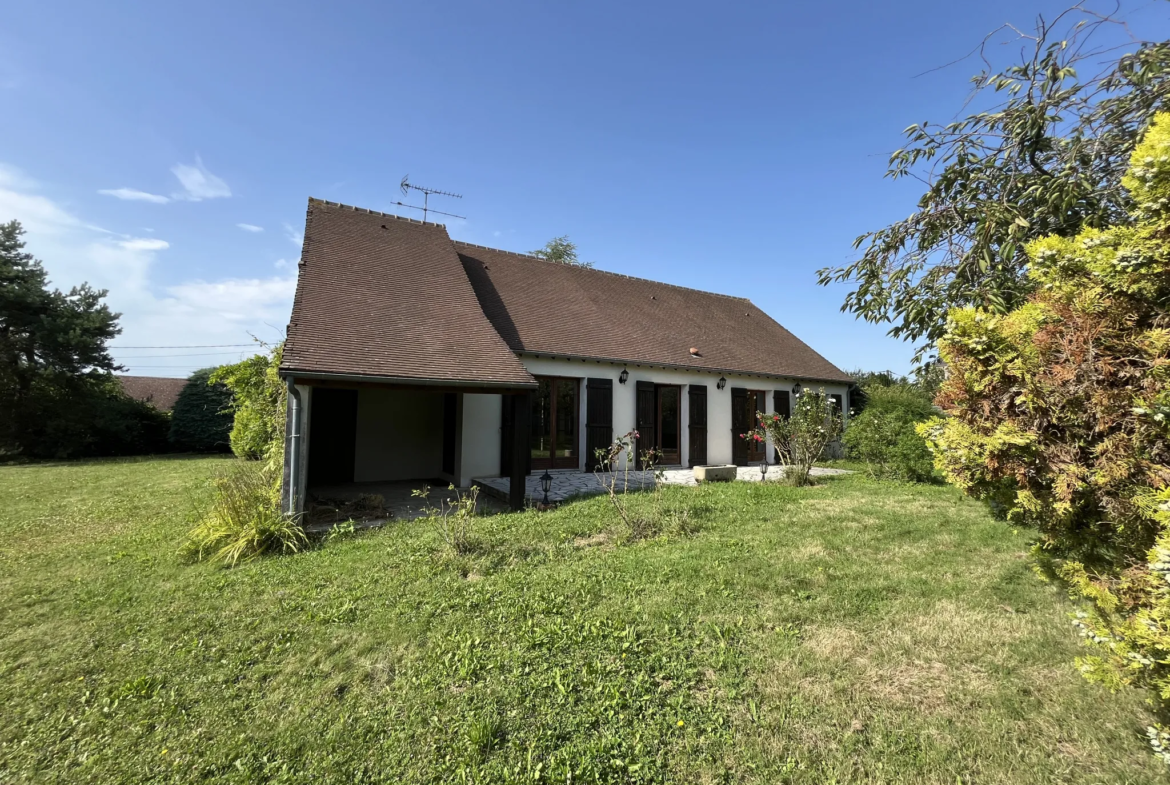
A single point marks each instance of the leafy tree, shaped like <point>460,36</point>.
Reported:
<point>1060,417</point>
<point>202,418</point>
<point>1044,156</point>
<point>258,401</point>
<point>561,250</point>
<point>55,371</point>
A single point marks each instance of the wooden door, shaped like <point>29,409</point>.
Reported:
<point>646,420</point>
<point>744,405</point>
<point>554,440</point>
<point>697,424</point>
<point>598,420</point>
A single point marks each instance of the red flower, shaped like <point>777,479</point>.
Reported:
<point>775,417</point>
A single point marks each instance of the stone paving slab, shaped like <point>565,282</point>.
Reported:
<point>567,485</point>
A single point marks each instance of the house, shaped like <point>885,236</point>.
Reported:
<point>411,356</point>
<point>159,391</point>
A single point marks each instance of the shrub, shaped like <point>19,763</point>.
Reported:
<point>92,416</point>
<point>884,435</point>
<point>245,520</point>
<point>258,401</point>
<point>800,439</point>
<point>202,418</point>
<point>1060,416</point>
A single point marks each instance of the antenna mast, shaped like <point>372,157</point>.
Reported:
<point>408,186</point>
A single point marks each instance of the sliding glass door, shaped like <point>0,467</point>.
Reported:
<point>555,415</point>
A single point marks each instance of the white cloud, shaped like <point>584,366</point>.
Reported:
<point>284,264</point>
<point>198,183</point>
<point>251,227</point>
<point>224,311</point>
<point>134,195</point>
<point>144,244</point>
<point>295,237</point>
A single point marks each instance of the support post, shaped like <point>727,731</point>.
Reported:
<point>291,492</point>
<point>521,416</point>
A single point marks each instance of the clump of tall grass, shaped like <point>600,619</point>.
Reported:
<point>244,520</point>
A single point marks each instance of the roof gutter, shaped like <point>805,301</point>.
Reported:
<point>677,367</point>
<point>405,380</point>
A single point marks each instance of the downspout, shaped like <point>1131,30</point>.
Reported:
<point>292,451</point>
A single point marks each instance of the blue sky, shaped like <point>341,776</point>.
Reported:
<point>166,152</point>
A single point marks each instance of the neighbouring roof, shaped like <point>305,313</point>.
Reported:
<point>384,296</point>
<point>159,391</point>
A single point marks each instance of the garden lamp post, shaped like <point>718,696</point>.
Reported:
<point>546,484</point>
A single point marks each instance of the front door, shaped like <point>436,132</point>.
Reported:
<point>669,422</point>
<point>555,416</point>
<point>744,405</point>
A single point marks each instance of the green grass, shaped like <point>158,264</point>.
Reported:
<point>851,632</point>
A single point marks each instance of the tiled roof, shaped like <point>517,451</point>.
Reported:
<point>394,298</point>
<point>159,391</point>
<point>383,296</point>
<point>545,307</point>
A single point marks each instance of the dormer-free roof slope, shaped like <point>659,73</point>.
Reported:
<point>543,307</point>
<point>386,297</point>
<point>391,298</point>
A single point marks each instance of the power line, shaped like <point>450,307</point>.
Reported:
<point>195,346</point>
<point>159,356</point>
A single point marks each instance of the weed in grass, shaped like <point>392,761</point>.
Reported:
<point>454,517</point>
<point>485,733</point>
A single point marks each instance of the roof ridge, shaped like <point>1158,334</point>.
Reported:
<point>344,206</point>
<point>532,258</point>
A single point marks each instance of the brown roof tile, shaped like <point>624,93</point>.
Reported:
<point>159,391</point>
<point>546,307</point>
<point>384,296</point>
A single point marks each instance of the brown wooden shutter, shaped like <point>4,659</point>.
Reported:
<point>782,403</point>
<point>740,424</point>
<point>697,424</point>
<point>598,419</point>
<point>646,420</point>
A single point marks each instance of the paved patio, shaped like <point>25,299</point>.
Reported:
<point>569,484</point>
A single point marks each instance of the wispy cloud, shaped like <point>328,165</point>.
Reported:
<point>251,227</point>
<point>134,195</point>
<point>198,183</point>
<point>295,237</point>
<point>144,244</point>
<point>217,311</point>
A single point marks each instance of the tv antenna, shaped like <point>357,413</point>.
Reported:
<point>408,186</point>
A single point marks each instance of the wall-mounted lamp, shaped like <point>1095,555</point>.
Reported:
<point>721,383</point>
<point>796,389</point>
<point>623,376</point>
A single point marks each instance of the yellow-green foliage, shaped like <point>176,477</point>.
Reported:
<point>1060,417</point>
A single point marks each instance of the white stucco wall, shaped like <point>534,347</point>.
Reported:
<point>481,413</point>
<point>481,437</point>
<point>399,435</point>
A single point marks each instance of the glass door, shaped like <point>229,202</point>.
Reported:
<point>669,430</point>
<point>555,414</point>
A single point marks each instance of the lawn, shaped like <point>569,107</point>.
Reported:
<point>846,633</point>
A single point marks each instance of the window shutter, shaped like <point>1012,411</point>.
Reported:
<point>740,424</point>
<point>697,424</point>
<point>782,403</point>
<point>598,419</point>
<point>646,421</point>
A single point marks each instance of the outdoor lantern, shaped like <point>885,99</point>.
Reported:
<point>722,382</point>
<point>796,388</point>
<point>623,376</point>
<point>546,484</point>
